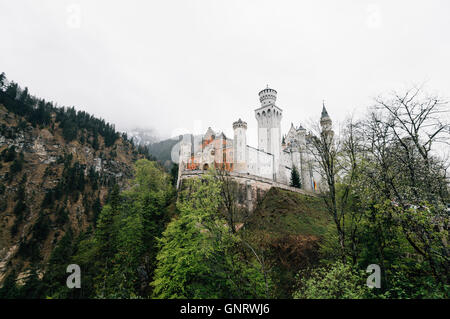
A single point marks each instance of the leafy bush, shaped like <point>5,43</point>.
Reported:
<point>337,281</point>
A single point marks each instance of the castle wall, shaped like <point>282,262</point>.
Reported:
<point>307,172</point>
<point>252,188</point>
<point>284,175</point>
<point>259,163</point>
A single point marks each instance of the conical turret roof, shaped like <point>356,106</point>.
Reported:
<point>324,111</point>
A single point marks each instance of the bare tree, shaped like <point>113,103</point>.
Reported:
<point>418,116</point>
<point>402,167</point>
<point>337,159</point>
<point>229,191</point>
<point>415,122</point>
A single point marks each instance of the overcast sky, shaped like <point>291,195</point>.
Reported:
<point>185,65</point>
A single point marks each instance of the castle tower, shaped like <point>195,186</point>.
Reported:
<point>325,120</point>
<point>305,173</point>
<point>269,117</point>
<point>301,137</point>
<point>240,146</point>
<point>326,125</point>
<point>184,156</point>
<point>185,150</point>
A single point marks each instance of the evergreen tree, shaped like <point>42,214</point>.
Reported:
<point>2,80</point>
<point>55,277</point>
<point>33,287</point>
<point>10,289</point>
<point>295,178</point>
<point>174,174</point>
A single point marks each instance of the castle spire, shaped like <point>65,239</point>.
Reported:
<point>324,110</point>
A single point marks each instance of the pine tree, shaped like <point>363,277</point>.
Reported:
<point>174,174</point>
<point>295,178</point>
<point>9,289</point>
<point>2,80</point>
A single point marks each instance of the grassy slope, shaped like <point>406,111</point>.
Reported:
<point>283,213</point>
<point>287,228</point>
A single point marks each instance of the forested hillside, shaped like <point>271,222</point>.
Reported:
<point>57,167</point>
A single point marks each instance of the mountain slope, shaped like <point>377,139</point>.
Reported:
<point>57,167</point>
<point>162,151</point>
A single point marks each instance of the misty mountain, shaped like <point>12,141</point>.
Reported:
<point>162,150</point>
<point>143,136</point>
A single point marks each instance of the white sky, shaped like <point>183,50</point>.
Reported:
<point>185,65</point>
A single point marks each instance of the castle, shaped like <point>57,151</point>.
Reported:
<point>274,159</point>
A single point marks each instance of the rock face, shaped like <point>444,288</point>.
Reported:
<point>59,185</point>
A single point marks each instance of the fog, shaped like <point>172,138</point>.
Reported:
<point>178,66</point>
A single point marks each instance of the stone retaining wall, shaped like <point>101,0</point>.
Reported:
<point>253,187</point>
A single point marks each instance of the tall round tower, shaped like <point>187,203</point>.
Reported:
<point>185,150</point>
<point>269,118</point>
<point>267,96</point>
<point>184,155</point>
<point>240,146</point>
<point>325,120</point>
<point>327,125</point>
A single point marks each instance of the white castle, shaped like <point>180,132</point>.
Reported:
<point>272,161</point>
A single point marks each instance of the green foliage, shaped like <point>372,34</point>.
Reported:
<point>31,247</point>
<point>198,256</point>
<point>174,174</point>
<point>54,281</point>
<point>72,182</point>
<point>121,254</point>
<point>32,289</point>
<point>295,178</point>
<point>10,290</point>
<point>337,281</point>
<point>387,191</point>
<point>119,258</point>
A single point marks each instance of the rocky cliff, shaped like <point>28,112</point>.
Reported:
<point>49,186</point>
